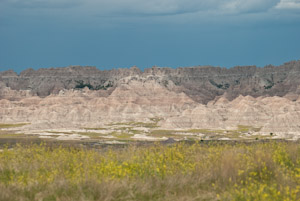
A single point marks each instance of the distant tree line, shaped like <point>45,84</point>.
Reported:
<point>80,85</point>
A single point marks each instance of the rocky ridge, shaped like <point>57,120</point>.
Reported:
<point>201,83</point>
<point>183,98</point>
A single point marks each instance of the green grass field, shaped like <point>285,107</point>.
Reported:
<point>201,171</point>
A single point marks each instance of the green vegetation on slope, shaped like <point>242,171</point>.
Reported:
<point>12,125</point>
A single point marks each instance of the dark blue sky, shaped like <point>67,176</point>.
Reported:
<point>122,33</point>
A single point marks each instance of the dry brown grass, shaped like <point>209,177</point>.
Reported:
<point>202,171</point>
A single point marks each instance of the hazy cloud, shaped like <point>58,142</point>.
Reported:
<point>43,3</point>
<point>246,6</point>
<point>155,7</point>
<point>288,4</point>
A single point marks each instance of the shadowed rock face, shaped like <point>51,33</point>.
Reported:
<point>195,97</point>
<point>201,83</point>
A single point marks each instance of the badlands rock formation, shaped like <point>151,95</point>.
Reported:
<point>195,97</point>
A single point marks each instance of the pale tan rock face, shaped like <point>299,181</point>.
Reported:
<point>132,100</point>
<point>182,98</point>
<point>139,100</point>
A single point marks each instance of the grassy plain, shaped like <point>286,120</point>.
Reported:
<point>200,171</point>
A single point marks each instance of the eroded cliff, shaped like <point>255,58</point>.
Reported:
<point>183,98</point>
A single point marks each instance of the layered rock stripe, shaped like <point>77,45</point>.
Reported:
<point>202,97</point>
